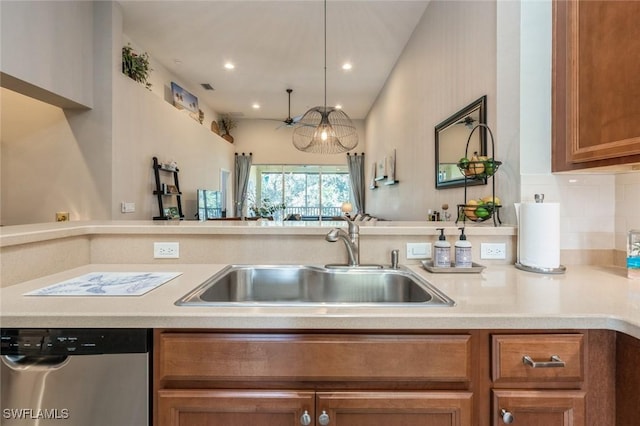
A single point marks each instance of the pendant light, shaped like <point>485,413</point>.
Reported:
<point>322,129</point>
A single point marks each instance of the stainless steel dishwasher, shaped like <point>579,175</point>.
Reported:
<point>75,377</point>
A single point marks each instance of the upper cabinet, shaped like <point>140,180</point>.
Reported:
<point>596,84</point>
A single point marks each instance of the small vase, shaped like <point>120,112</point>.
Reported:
<point>227,137</point>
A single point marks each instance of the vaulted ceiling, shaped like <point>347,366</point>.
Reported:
<point>276,45</point>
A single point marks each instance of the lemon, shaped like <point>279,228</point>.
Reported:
<point>489,199</point>
<point>470,208</point>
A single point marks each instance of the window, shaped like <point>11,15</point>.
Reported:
<point>311,191</point>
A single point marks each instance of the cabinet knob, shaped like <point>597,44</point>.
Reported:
<point>323,419</point>
<point>305,418</point>
<point>507,417</point>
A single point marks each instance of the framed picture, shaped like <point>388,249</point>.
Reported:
<point>172,212</point>
<point>172,189</point>
<point>185,101</point>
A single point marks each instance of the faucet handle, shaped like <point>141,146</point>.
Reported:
<point>394,258</point>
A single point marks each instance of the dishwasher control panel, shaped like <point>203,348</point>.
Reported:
<point>29,341</point>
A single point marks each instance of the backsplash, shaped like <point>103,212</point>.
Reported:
<point>596,210</point>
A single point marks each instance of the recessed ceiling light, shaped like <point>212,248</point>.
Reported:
<point>177,61</point>
<point>256,105</point>
<point>338,106</point>
<point>229,66</point>
<point>347,66</point>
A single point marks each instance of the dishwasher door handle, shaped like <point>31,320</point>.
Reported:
<point>35,363</point>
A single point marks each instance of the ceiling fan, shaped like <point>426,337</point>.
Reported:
<point>289,121</point>
<point>467,121</point>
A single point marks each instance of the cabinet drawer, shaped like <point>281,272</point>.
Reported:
<point>313,357</point>
<point>509,352</point>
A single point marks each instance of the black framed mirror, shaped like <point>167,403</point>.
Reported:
<point>451,137</point>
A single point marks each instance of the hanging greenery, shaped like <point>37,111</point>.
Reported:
<point>136,66</point>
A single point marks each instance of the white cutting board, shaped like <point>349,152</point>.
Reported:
<point>107,284</point>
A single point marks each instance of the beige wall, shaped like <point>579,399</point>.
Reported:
<point>44,169</point>
<point>88,161</point>
<point>147,126</point>
<point>272,144</point>
<point>47,49</point>
<point>449,62</point>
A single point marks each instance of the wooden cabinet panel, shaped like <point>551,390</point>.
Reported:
<point>395,408</point>
<point>298,357</point>
<point>508,367</point>
<point>627,380</point>
<point>540,408</point>
<point>232,408</point>
<point>596,58</point>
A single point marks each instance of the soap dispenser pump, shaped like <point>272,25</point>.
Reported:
<point>442,251</point>
<point>463,251</point>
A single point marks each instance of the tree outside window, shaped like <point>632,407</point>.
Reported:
<point>310,191</point>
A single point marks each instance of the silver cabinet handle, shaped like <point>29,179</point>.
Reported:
<point>554,361</point>
<point>507,417</point>
<point>323,419</point>
<point>305,418</point>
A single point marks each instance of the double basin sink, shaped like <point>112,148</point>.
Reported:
<point>281,285</point>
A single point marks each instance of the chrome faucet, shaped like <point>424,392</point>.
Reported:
<point>351,240</point>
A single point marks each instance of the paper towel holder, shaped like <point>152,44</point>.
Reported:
<point>539,198</point>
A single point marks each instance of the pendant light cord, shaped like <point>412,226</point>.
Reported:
<point>325,56</point>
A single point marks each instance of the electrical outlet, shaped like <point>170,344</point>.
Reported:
<point>418,250</point>
<point>166,250</point>
<point>126,207</point>
<point>493,251</point>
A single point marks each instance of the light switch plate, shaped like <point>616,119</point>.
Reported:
<point>418,250</point>
<point>126,207</point>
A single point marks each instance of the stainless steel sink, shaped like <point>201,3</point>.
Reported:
<point>313,285</point>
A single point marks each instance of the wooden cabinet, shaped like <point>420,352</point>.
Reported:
<point>186,407</point>
<point>189,407</point>
<point>596,58</point>
<point>627,380</point>
<point>537,379</point>
<point>238,379</point>
<point>394,408</point>
<point>377,378</point>
<point>539,408</point>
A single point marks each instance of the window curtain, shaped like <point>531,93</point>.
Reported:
<point>241,181</point>
<point>356,175</point>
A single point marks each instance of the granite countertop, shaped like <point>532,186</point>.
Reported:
<point>501,297</point>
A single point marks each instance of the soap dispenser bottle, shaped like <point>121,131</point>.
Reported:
<point>463,251</point>
<point>442,251</point>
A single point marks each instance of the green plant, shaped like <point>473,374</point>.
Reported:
<point>136,66</point>
<point>227,123</point>
<point>267,208</point>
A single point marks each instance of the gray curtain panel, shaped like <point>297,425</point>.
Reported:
<point>356,175</point>
<point>241,181</point>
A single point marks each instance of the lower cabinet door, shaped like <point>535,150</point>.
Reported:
<point>234,408</point>
<point>539,408</point>
<point>393,408</point>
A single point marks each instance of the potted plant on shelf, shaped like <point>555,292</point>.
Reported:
<point>226,124</point>
<point>136,66</point>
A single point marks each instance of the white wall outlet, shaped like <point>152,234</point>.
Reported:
<point>493,251</point>
<point>166,250</point>
<point>418,250</point>
<point>127,207</point>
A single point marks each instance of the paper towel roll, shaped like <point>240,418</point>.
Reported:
<point>539,235</point>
